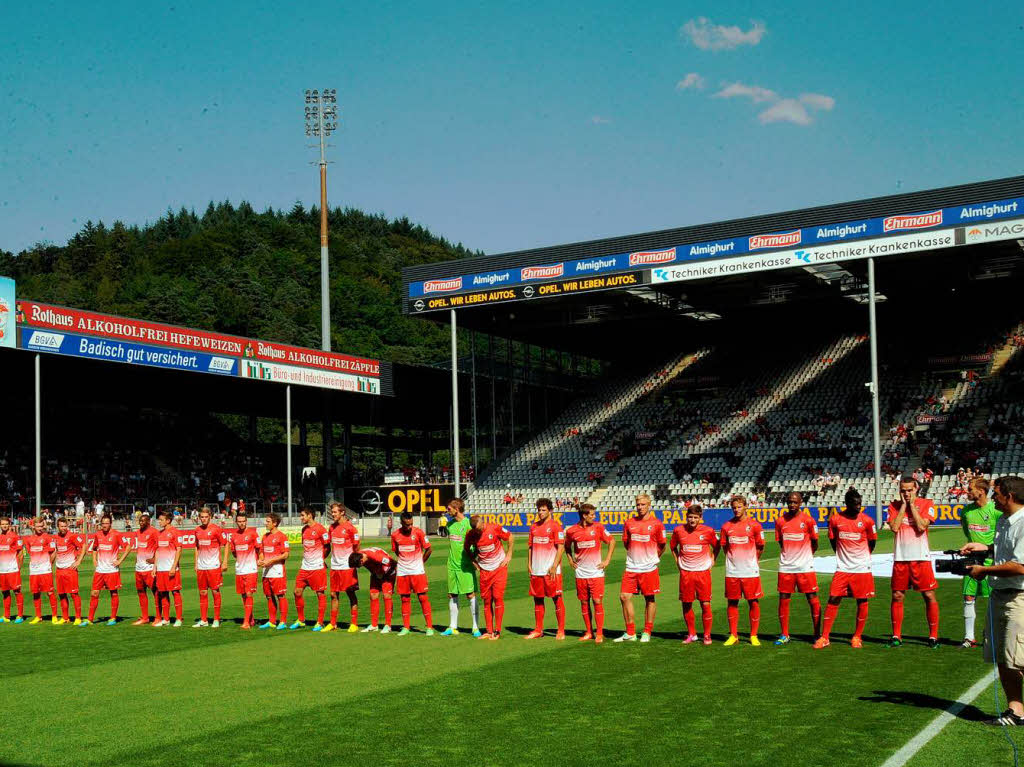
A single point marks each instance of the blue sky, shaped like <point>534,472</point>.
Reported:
<point>500,125</point>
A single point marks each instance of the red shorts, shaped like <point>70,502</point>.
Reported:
<point>245,584</point>
<point>384,585</point>
<point>40,584</point>
<point>210,579</point>
<point>10,581</point>
<point>856,585</point>
<point>410,584</point>
<point>168,581</point>
<point>106,581</point>
<point>546,586</point>
<point>590,588</point>
<point>917,575</point>
<point>695,585</point>
<point>145,580</point>
<point>67,581</point>
<point>344,580</point>
<point>312,579</point>
<point>275,587</point>
<point>647,584</point>
<point>492,584</point>
<point>804,583</point>
<point>743,588</point>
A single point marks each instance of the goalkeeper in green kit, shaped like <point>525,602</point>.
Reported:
<point>978,519</point>
<point>462,576</point>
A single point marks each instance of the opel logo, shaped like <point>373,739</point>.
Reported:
<point>528,291</point>
<point>419,305</point>
<point>371,501</point>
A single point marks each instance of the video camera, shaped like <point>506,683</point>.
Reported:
<point>958,563</point>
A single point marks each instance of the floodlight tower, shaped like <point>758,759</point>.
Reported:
<point>321,121</point>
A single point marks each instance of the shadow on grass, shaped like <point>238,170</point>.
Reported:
<point>968,713</point>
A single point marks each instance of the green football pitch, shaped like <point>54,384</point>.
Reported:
<point>131,695</point>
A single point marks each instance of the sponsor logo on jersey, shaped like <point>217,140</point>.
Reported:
<point>738,539</point>
<point>648,257</point>
<point>848,536</point>
<point>542,272</point>
<point>916,221</point>
<point>779,240</point>
<point>442,286</point>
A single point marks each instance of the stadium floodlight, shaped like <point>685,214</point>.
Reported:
<point>321,119</point>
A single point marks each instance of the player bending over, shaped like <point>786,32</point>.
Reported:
<point>383,570</point>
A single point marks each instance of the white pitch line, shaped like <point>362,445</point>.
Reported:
<point>935,726</point>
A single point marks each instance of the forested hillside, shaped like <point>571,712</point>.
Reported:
<point>252,274</point>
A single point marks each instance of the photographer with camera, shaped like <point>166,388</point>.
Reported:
<point>978,519</point>
<point>1005,644</point>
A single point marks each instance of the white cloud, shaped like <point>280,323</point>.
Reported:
<point>817,101</point>
<point>599,120</point>
<point>692,80</point>
<point>755,93</point>
<point>785,110</point>
<point>719,37</point>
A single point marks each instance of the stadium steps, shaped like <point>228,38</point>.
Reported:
<point>600,492</point>
<point>1000,358</point>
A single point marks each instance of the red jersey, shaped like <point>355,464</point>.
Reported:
<point>741,540</point>
<point>490,554</point>
<point>107,547</point>
<point>314,542</point>
<point>145,550</point>
<point>68,549</point>
<point>274,545</point>
<point>344,541</point>
<point>911,545</point>
<point>10,545</point>
<point>696,549</point>
<point>208,545</point>
<point>410,547</point>
<point>794,537</point>
<point>585,542</point>
<point>543,542</point>
<point>853,555</point>
<point>379,562</point>
<point>39,548</point>
<point>168,542</point>
<point>642,538</point>
<point>244,544</point>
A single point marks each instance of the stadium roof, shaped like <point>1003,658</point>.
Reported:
<point>611,322</point>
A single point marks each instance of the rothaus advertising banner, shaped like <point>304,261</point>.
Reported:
<point>770,250</point>
<point>75,332</point>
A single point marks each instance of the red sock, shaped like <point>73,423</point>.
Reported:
<point>427,613</point>
<point>177,605</point>
<point>7,606</point>
<point>115,599</point>
<point>334,616</point>
<point>321,607</point>
<point>755,617</point>
<point>599,618</point>
<point>689,618</point>
<point>831,611</point>
<point>784,616</point>
<point>144,604</point>
<point>20,599</point>
<point>37,605</point>
<point>300,609</point>
<point>374,608</point>
<point>560,614</point>
<point>406,610</point>
<point>204,605</point>
<point>94,602</point>
<point>932,611</point>
<point>53,604</point>
<point>247,602</point>
<point>282,605</point>
<point>585,606</point>
<point>271,611</point>
<point>648,627</point>
<point>216,605</point>
<point>816,614</point>
<point>64,607</point>
<point>896,612</point>
<point>706,618</point>
<point>353,615</point>
<point>78,606</point>
<point>538,615</point>
<point>733,611</point>
<point>165,606</point>
<point>630,629</point>
<point>389,609</point>
<point>862,617</point>
<point>499,614</point>
<point>488,617</point>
